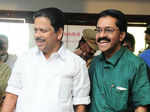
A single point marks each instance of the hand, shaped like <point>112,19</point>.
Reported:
<point>141,109</point>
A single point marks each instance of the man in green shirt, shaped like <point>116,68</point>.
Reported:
<point>119,79</point>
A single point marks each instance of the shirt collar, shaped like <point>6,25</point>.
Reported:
<point>115,58</point>
<point>59,53</point>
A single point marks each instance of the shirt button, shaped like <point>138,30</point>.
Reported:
<point>112,85</point>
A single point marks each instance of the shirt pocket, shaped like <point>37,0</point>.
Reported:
<point>119,97</point>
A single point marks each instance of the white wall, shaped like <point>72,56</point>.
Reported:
<point>127,6</point>
<point>87,6</point>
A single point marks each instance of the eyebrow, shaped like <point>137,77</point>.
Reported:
<point>36,28</point>
<point>105,27</point>
<point>110,27</point>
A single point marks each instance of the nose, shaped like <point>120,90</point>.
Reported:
<point>37,33</point>
<point>101,34</point>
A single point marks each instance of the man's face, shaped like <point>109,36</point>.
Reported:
<point>5,46</point>
<point>108,36</point>
<point>147,39</point>
<point>45,36</point>
<point>87,51</point>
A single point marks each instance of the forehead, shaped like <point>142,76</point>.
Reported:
<point>106,21</point>
<point>42,22</point>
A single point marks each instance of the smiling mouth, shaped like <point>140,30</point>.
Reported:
<point>40,42</point>
<point>103,42</point>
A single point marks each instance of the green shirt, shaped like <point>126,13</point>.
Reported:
<point>118,82</point>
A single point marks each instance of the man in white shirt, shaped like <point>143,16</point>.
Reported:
<point>48,78</point>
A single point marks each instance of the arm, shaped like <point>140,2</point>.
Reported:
<point>141,89</point>
<point>81,88</point>
<point>9,103</point>
<point>141,109</point>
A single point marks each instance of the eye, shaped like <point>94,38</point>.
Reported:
<point>109,30</point>
<point>44,30</point>
<point>35,30</point>
<point>98,30</point>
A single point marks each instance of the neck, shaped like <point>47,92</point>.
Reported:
<point>108,54</point>
<point>51,51</point>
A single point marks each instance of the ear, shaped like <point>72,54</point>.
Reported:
<point>60,33</point>
<point>122,36</point>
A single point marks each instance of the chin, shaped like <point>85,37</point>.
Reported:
<point>41,49</point>
<point>103,49</point>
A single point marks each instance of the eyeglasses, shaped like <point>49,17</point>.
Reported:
<point>107,30</point>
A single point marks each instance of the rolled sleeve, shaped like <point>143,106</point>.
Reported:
<point>82,100</point>
<point>13,90</point>
<point>141,87</point>
<point>81,85</point>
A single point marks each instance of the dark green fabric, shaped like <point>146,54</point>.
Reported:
<point>118,82</point>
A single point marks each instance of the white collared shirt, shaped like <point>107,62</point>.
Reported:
<point>52,85</point>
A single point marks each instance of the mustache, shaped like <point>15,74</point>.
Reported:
<point>40,39</point>
<point>103,38</point>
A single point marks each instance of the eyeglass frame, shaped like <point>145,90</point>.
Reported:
<point>107,30</point>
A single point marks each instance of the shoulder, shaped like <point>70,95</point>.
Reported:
<point>30,52</point>
<point>5,72</point>
<point>132,60</point>
<point>73,63</point>
<point>26,56</point>
<point>12,56</point>
<point>71,56</point>
<point>96,59</point>
<point>145,53</point>
<point>5,67</point>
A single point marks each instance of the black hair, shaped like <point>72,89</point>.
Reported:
<point>55,15</point>
<point>129,38</point>
<point>121,18</point>
<point>147,29</point>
